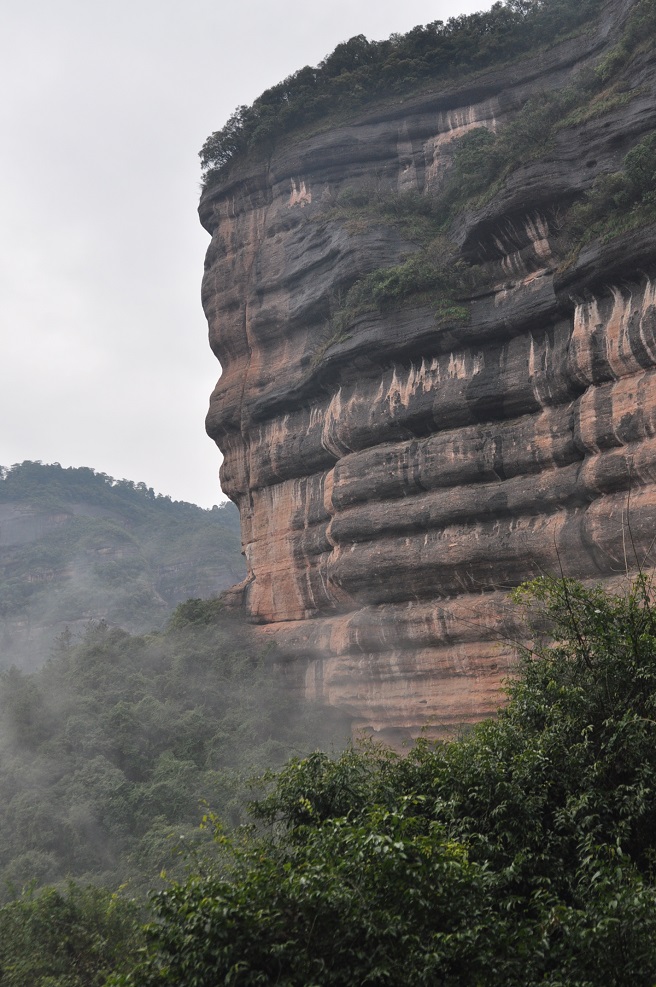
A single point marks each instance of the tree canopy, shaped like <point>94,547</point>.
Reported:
<point>108,751</point>
<point>67,937</point>
<point>521,854</point>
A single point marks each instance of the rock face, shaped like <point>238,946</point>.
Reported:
<point>395,480</point>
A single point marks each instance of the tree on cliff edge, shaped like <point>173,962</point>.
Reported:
<point>521,854</point>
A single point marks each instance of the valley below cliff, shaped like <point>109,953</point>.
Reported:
<point>436,321</point>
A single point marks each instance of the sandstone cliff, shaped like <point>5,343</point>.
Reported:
<point>398,467</point>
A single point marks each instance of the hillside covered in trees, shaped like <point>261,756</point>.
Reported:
<point>108,752</point>
<point>521,854</point>
<point>76,545</point>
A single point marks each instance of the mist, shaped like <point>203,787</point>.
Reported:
<point>112,751</point>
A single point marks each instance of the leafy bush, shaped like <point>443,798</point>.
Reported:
<point>70,937</point>
<point>621,200</point>
<point>640,32</point>
<point>432,275</point>
<point>476,162</point>
<point>482,158</point>
<point>640,172</point>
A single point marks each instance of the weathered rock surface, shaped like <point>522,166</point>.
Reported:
<point>394,484</point>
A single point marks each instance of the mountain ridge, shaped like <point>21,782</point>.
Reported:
<point>78,546</point>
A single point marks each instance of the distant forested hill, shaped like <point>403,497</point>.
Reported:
<point>76,545</point>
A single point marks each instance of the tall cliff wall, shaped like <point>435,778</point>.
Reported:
<point>398,471</point>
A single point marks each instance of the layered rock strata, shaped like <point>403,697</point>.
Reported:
<point>395,480</point>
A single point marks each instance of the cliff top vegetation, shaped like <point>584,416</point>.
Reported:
<point>359,71</point>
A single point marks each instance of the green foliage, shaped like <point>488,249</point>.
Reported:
<point>476,162</point>
<point>483,159</point>
<point>639,34</point>
<point>600,103</point>
<point>432,275</point>
<point>619,201</point>
<point>71,937</point>
<point>640,172</point>
<point>386,899</point>
<point>359,71</point>
<point>79,545</point>
<point>107,752</point>
<point>219,149</point>
<point>196,612</point>
<point>414,215</point>
<point>522,854</point>
<point>50,485</point>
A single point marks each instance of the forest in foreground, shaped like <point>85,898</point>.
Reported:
<point>108,752</point>
<point>520,854</point>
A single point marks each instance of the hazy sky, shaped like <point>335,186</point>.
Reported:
<point>104,107</point>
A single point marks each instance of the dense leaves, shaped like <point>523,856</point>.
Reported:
<point>70,937</point>
<point>621,200</point>
<point>522,854</point>
<point>433,275</point>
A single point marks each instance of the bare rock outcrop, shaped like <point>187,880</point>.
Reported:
<point>397,477</point>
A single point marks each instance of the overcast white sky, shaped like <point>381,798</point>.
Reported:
<point>104,107</point>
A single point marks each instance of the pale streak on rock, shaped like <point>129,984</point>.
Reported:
<point>453,124</point>
<point>299,195</point>
<point>407,180</point>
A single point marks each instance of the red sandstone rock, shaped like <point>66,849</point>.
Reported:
<point>393,486</point>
